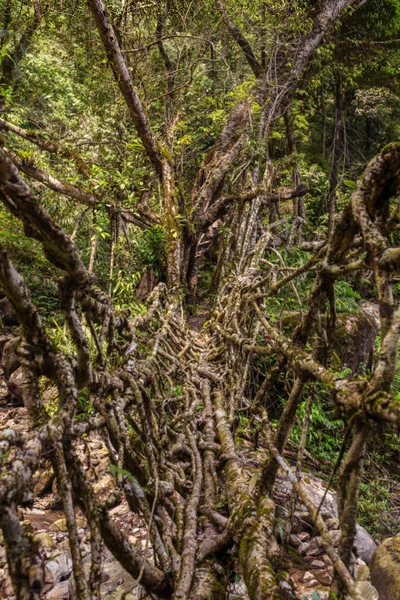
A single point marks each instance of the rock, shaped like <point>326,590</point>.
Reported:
<point>353,341</point>
<point>364,544</point>
<point>18,387</point>
<point>294,540</point>
<point>59,592</point>
<point>117,584</point>
<point>9,359</point>
<point>303,548</point>
<point>363,573</point>
<point>45,540</point>
<point>334,536</point>
<point>104,487</point>
<point>318,564</point>
<point>315,489</point>
<point>326,559</point>
<point>307,576</point>
<point>385,569</point>
<point>61,525</point>
<point>121,509</point>
<point>317,551</point>
<point>60,568</point>
<point>368,592</point>
<point>42,480</point>
<point>3,391</point>
<point>332,523</point>
<point>354,338</point>
<point>7,313</point>
<point>323,577</point>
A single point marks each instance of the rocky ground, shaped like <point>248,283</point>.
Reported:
<point>311,569</point>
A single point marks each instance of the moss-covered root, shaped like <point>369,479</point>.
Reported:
<point>210,582</point>
<point>258,550</point>
<point>252,529</point>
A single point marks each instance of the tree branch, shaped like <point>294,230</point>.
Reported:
<point>124,80</point>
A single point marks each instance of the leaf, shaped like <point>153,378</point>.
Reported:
<point>115,471</point>
<point>350,184</point>
<point>253,482</point>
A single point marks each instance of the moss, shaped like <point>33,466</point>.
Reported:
<point>385,569</point>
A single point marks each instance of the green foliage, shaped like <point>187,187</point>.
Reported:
<point>325,433</point>
<point>346,296</point>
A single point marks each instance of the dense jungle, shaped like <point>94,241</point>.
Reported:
<point>199,299</point>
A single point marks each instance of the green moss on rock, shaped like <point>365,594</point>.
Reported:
<point>385,569</point>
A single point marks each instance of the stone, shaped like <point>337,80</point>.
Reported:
<point>104,487</point>
<point>42,480</point>
<point>3,392</point>
<point>59,591</point>
<point>317,551</point>
<point>385,569</point>
<point>294,540</point>
<point>334,536</point>
<point>307,576</point>
<point>61,525</point>
<point>332,523</point>
<point>45,540</point>
<point>117,583</point>
<point>318,564</point>
<point>9,360</point>
<point>368,592</point>
<point>315,489</point>
<point>364,544</point>
<point>59,568</point>
<point>363,573</point>
<point>303,548</point>
<point>27,527</point>
<point>7,313</point>
<point>304,536</point>
<point>18,387</point>
<point>323,577</point>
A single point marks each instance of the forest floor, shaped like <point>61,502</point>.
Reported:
<point>309,567</point>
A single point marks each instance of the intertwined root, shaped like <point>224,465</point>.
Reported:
<point>166,399</point>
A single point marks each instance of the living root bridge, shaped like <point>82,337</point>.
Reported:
<point>168,411</point>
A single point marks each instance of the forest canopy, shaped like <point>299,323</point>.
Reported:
<point>200,278</point>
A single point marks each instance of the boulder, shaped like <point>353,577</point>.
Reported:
<point>367,591</point>
<point>385,569</point>
<point>61,524</point>
<point>353,340</point>
<point>9,358</point>
<point>364,544</point>
<point>8,315</point>
<point>315,489</point>
<point>45,540</point>
<point>105,487</point>
<point>18,387</point>
<point>59,591</point>
<point>58,569</point>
